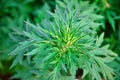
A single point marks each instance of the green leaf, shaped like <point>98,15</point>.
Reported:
<point>33,52</point>
<point>85,72</point>
<point>33,36</point>
<point>99,40</point>
<point>21,47</point>
<point>18,59</point>
<point>62,4</point>
<point>49,56</point>
<point>111,20</point>
<point>56,72</point>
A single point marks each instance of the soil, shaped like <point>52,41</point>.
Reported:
<point>79,74</point>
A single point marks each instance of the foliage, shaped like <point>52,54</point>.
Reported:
<point>13,13</point>
<point>110,10</point>
<point>14,32</point>
<point>57,48</point>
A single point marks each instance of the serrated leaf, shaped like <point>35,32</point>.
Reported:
<point>99,40</point>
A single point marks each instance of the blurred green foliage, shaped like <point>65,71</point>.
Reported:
<point>111,26</point>
<point>14,13</point>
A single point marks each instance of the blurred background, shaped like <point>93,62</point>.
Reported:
<point>14,13</point>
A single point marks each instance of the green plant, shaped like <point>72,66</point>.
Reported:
<point>13,13</point>
<point>57,49</point>
<point>110,10</point>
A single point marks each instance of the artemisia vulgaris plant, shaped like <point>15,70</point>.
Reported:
<point>57,48</point>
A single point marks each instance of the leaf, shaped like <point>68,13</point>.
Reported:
<point>103,55</point>
<point>17,60</point>
<point>73,69</point>
<point>107,70</point>
<point>95,72</point>
<point>49,56</point>
<point>85,72</point>
<point>32,36</point>
<point>97,17</point>
<point>111,20</point>
<point>21,47</point>
<point>63,66</point>
<point>33,52</point>
<point>55,73</point>
<point>106,46</point>
<point>99,40</point>
<point>61,4</point>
